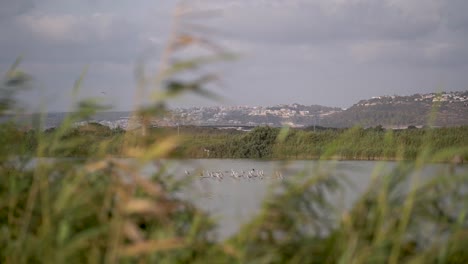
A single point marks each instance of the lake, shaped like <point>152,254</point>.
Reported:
<point>235,199</point>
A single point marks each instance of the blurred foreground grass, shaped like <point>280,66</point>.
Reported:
<point>101,209</point>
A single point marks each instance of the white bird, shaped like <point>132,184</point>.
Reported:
<point>260,173</point>
<point>234,174</point>
<point>252,173</point>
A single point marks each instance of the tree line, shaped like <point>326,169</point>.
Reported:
<point>262,142</point>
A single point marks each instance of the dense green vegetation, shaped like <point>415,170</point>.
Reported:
<point>261,143</point>
<point>355,143</point>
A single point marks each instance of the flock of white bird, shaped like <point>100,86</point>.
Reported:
<point>242,174</point>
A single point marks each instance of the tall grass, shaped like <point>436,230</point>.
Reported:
<point>102,209</point>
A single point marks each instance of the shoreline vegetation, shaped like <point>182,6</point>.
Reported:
<point>372,144</point>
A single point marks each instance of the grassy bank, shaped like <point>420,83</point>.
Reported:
<point>261,143</point>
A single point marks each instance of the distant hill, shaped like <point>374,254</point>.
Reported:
<point>295,115</point>
<point>447,108</point>
<point>450,109</point>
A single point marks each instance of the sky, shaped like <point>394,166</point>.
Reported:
<point>327,52</point>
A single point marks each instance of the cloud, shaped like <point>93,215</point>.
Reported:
<point>73,29</point>
<point>318,49</point>
<point>327,21</point>
<point>454,14</point>
<point>100,30</point>
<point>417,33</point>
<point>10,9</point>
<point>65,37</point>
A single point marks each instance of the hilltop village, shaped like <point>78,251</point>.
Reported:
<point>395,112</point>
<point>295,115</point>
<point>390,111</point>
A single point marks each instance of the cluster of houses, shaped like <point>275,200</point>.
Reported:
<point>449,97</point>
<point>247,115</point>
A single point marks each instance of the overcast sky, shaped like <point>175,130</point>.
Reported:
<point>328,52</point>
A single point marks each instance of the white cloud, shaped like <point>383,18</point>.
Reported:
<point>53,28</point>
<point>65,28</point>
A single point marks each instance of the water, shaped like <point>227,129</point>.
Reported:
<point>233,202</point>
<point>110,119</point>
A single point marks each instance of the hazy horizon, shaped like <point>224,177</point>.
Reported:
<point>312,52</point>
<point>214,104</point>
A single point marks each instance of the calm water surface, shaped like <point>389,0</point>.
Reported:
<point>235,201</point>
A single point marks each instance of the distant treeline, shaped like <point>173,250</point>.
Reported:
<point>261,143</point>
<point>351,143</point>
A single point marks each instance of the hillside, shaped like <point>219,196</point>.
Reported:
<point>295,115</point>
<point>451,109</point>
